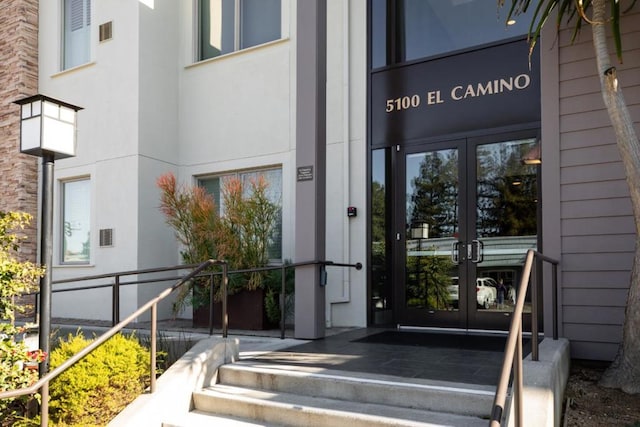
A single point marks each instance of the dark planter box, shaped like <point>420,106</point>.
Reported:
<point>245,310</point>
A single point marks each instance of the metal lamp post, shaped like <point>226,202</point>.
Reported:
<point>47,130</point>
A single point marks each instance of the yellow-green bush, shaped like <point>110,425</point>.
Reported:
<point>16,278</point>
<point>99,386</point>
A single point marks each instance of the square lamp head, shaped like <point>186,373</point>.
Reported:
<point>47,126</point>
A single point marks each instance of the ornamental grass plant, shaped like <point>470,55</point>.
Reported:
<point>240,236</point>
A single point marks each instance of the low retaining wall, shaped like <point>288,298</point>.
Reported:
<point>173,396</point>
<point>544,382</point>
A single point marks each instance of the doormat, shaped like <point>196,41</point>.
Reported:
<point>495,343</point>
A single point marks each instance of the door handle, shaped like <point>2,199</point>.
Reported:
<point>455,252</point>
<point>479,251</point>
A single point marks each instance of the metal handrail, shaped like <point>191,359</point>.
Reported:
<point>117,283</point>
<point>283,268</point>
<point>513,347</point>
<point>43,383</point>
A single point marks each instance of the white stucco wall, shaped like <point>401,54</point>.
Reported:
<point>158,140</point>
<point>150,109</point>
<point>106,88</point>
<point>346,165</point>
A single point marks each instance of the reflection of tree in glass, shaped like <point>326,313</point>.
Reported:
<point>85,247</point>
<point>378,246</point>
<point>428,281</point>
<point>377,212</point>
<point>434,197</point>
<point>506,191</point>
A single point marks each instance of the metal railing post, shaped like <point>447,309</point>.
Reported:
<point>515,334</point>
<point>534,310</point>
<point>225,315</point>
<point>512,361</point>
<point>36,309</point>
<point>115,300</point>
<point>554,299</point>
<point>518,380</point>
<point>154,335</point>
<point>44,405</point>
<point>211,302</point>
<point>283,300</point>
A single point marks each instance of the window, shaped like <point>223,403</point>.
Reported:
<point>76,241</point>
<point>273,177</point>
<point>77,33</point>
<point>229,25</point>
<point>405,30</point>
<point>381,288</point>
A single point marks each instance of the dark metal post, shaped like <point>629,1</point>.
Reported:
<point>115,315</point>
<point>211,301</point>
<point>154,345</point>
<point>283,300</point>
<point>518,377</point>
<point>225,315</point>
<point>46,259</point>
<point>554,299</point>
<point>534,311</point>
<point>36,309</point>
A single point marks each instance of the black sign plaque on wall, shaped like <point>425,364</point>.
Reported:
<point>305,173</point>
<point>483,89</point>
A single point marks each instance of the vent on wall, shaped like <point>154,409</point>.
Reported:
<point>105,31</point>
<point>106,237</point>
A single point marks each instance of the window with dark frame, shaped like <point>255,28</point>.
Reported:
<point>226,26</point>
<point>408,30</point>
<point>76,33</point>
<point>214,186</point>
<point>76,222</point>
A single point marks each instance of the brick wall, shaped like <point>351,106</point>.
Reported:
<point>18,79</point>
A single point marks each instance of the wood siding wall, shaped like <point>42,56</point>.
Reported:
<point>596,219</point>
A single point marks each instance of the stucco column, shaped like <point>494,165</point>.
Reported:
<point>310,166</point>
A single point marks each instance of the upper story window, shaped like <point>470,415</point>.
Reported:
<point>77,33</point>
<point>76,221</point>
<point>405,30</point>
<point>229,25</point>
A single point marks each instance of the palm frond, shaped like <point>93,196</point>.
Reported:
<point>573,12</point>
<point>615,28</point>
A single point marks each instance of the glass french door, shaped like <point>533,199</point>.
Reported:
<point>469,213</point>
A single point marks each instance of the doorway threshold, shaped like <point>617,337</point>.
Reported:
<point>461,331</point>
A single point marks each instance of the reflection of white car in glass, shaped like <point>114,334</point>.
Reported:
<point>453,292</point>
<point>485,291</point>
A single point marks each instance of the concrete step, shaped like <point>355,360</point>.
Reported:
<point>207,419</point>
<point>286,409</point>
<point>250,393</point>
<point>438,396</point>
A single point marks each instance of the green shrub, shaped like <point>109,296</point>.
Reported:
<point>16,278</point>
<point>273,286</point>
<point>14,357</point>
<point>99,386</point>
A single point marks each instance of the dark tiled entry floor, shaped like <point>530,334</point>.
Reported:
<point>472,359</point>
